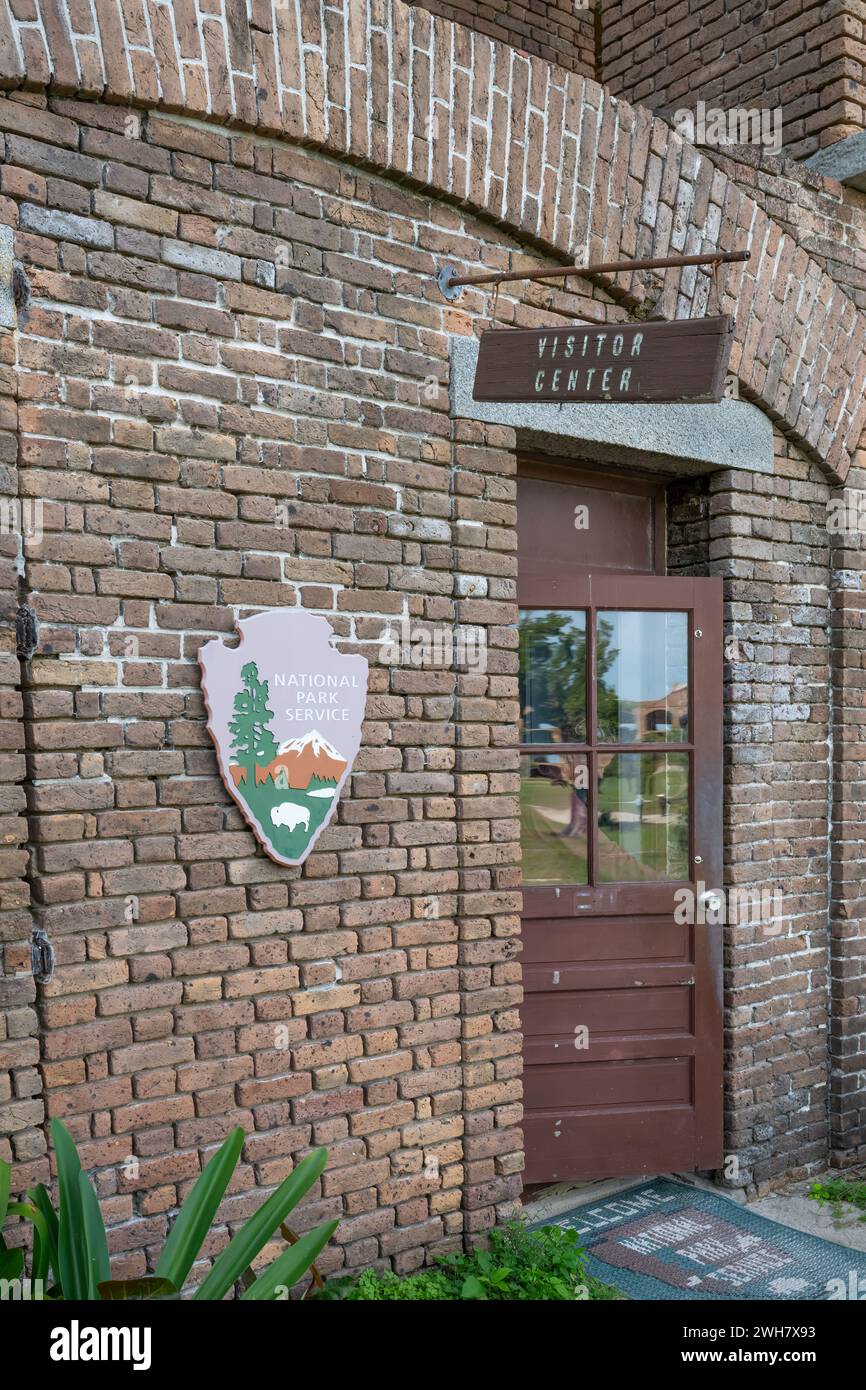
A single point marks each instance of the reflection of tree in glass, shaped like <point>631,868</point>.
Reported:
<point>553,676</point>
<point>614,711</point>
<point>606,696</point>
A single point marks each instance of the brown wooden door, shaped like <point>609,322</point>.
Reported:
<point>621,794</point>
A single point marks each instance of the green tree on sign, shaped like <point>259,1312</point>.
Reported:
<point>253,744</point>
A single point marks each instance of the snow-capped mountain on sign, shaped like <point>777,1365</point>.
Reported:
<point>301,759</point>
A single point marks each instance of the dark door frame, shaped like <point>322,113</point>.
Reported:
<point>574,587</point>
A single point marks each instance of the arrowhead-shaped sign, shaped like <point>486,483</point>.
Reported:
<point>285,710</point>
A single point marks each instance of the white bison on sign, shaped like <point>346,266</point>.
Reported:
<point>291,815</point>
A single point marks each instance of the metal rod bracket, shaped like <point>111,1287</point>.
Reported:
<point>450,283</point>
<point>448,290</point>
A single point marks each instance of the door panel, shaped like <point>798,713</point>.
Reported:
<point>633,1139</point>
<point>606,939</point>
<point>560,507</point>
<point>666,1079</point>
<point>620,815</point>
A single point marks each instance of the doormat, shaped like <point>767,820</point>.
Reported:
<point>666,1240</point>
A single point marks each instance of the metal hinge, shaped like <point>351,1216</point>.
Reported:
<point>26,632</point>
<point>41,956</point>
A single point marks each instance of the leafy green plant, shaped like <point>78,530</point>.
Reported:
<point>839,1193</point>
<point>545,1264</point>
<point>44,1229</point>
<point>380,1285</point>
<point>72,1245</point>
<point>522,1265</point>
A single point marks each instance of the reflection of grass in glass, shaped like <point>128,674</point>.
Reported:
<point>547,856</point>
<point>617,790</point>
<point>645,848</point>
<point>632,850</point>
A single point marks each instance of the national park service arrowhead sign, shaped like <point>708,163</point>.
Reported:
<point>285,710</point>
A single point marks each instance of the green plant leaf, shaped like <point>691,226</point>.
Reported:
<point>148,1286</point>
<point>246,1244</point>
<point>45,1253</point>
<point>194,1219</point>
<point>39,1262</point>
<point>472,1287</point>
<point>287,1268</point>
<point>72,1269</point>
<point>5,1184</point>
<point>98,1267</point>
<point>11,1261</point>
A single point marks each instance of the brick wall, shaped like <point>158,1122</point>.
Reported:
<point>219,328</point>
<point>768,536</point>
<point>848,933</point>
<point>560,31</point>
<point>21,1107</point>
<point>807,58</point>
<point>236,327</point>
<point>802,55</point>
<point>541,150</point>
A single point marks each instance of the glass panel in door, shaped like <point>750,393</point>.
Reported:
<point>642,697</point>
<point>642,677</point>
<point>643,817</point>
<point>554,817</point>
<point>552,676</point>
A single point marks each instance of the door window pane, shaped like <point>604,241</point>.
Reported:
<point>643,814</point>
<point>642,670</point>
<point>552,676</point>
<point>553,817</point>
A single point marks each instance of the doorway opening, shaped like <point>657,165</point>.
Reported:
<point>621,831</point>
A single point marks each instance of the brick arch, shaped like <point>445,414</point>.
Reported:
<point>549,154</point>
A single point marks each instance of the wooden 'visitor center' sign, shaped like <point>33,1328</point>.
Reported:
<point>682,361</point>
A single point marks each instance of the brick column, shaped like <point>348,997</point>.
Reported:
<point>485,580</point>
<point>21,1108</point>
<point>764,535</point>
<point>847,523</point>
<point>767,539</point>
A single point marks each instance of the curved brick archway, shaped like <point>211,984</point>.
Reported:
<point>541,150</point>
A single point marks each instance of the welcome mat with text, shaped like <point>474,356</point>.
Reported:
<point>667,1240</point>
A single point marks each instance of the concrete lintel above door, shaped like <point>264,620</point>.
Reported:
<point>681,439</point>
<point>844,160</point>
